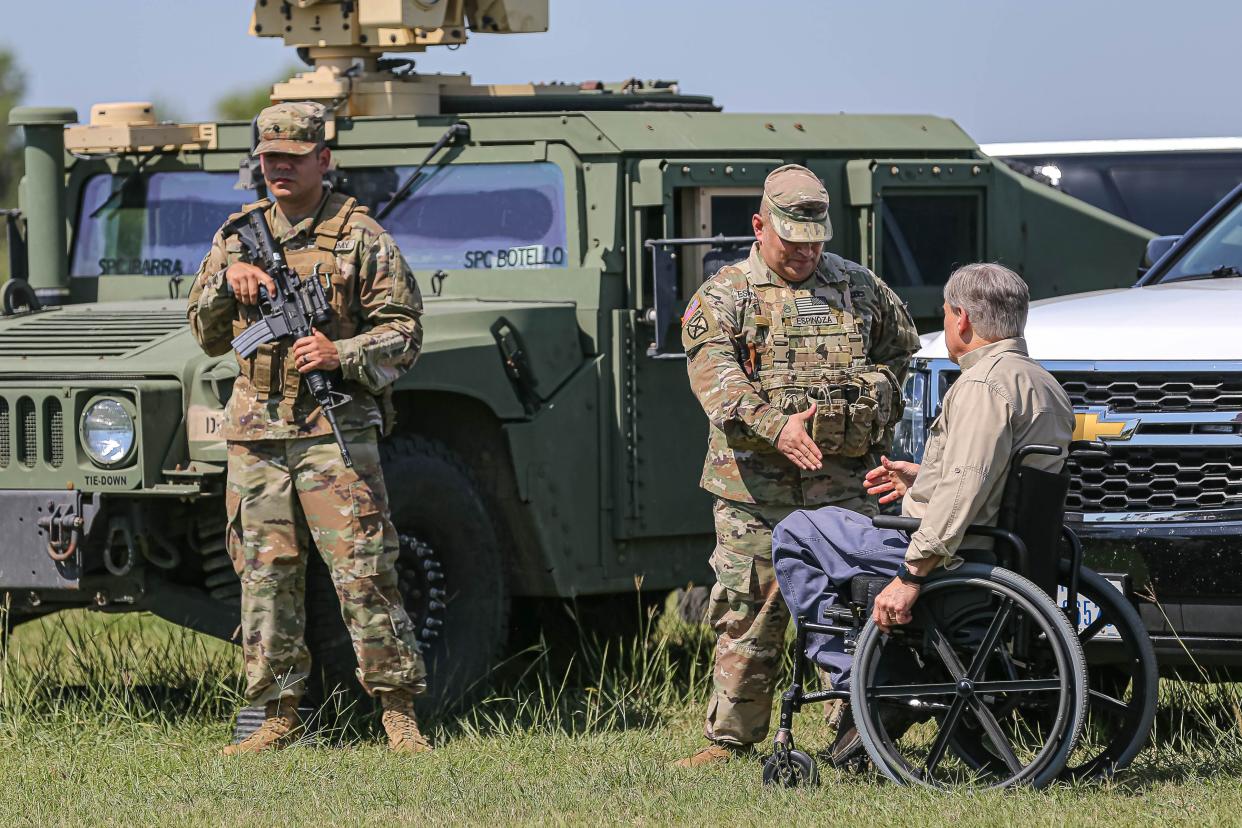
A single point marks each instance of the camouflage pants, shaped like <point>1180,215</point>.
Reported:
<point>749,617</point>
<point>282,494</point>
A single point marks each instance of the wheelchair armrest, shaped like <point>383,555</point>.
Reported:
<point>905,524</point>
<point>1096,447</point>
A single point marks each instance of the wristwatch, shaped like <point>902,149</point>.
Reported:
<point>907,577</point>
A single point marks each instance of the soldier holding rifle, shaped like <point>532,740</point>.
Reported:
<point>294,478</point>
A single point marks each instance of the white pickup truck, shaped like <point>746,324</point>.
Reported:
<point>1156,372</point>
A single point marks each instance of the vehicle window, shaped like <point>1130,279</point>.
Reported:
<point>926,237</point>
<point>1219,249</point>
<point>492,216</point>
<point>1164,192</point>
<point>158,224</point>
<point>466,216</point>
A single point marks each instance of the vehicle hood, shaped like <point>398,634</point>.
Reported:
<point>152,337</point>
<point>1197,320</point>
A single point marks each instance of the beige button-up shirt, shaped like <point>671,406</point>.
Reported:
<point>1003,400</point>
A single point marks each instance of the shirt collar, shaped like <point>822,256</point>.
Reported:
<point>763,275</point>
<point>1015,345</point>
<point>283,231</point>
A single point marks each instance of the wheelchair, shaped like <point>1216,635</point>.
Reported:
<point>994,683</point>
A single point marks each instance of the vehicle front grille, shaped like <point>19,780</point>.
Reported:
<point>1153,392</point>
<point>27,433</point>
<point>1155,478</point>
<point>6,448</point>
<point>32,430</point>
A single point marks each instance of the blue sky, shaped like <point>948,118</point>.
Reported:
<point>1006,70</point>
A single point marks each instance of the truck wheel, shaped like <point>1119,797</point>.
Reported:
<point>450,571</point>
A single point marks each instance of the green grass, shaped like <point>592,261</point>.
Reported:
<point>109,720</point>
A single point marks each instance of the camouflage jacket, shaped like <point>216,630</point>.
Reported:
<point>729,320</point>
<point>376,322</point>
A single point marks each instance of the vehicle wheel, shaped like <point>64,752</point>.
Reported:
<point>790,769</point>
<point>1122,704</point>
<point>450,570</point>
<point>992,653</point>
<point>692,603</point>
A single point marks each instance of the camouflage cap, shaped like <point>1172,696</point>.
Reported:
<point>798,204</point>
<point>292,128</point>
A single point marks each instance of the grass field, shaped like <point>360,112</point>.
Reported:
<point>110,720</point>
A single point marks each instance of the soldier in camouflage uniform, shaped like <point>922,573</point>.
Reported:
<point>287,484</point>
<point>797,357</point>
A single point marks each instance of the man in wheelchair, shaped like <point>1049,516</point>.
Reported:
<point>1002,401</point>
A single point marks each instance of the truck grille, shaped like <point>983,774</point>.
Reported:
<point>32,432</point>
<point>1153,392</point>
<point>1155,478</point>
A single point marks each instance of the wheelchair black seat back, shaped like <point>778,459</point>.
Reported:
<point>988,686</point>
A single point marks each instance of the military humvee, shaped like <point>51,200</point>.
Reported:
<point>548,444</point>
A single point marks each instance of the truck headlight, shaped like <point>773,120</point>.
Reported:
<point>910,434</point>
<point>107,431</point>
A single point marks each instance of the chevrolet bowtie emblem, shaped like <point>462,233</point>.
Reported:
<point>1098,423</point>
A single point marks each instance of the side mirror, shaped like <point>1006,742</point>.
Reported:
<point>1156,248</point>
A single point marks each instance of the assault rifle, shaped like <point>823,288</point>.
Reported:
<point>297,306</point>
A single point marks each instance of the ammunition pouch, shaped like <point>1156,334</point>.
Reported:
<point>855,408</point>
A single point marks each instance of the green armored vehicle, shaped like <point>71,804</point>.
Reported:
<point>547,442</point>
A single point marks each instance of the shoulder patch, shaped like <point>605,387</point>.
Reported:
<point>690,310</point>
<point>698,323</point>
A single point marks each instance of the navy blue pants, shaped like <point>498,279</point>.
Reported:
<point>815,554</point>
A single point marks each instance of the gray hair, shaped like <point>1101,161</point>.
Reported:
<point>995,298</point>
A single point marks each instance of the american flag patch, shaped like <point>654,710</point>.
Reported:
<point>813,307</point>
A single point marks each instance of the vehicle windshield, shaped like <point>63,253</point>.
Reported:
<point>1217,254</point>
<point>156,224</point>
<point>498,216</point>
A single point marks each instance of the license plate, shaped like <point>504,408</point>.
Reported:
<point>1088,611</point>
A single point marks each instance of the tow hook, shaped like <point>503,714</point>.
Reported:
<point>64,529</point>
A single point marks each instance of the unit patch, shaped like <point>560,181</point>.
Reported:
<point>696,328</point>
<point>814,310</point>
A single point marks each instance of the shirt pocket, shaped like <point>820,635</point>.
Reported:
<point>935,439</point>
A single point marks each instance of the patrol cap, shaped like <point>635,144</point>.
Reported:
<point>292,128</point>
<point>798,204</point>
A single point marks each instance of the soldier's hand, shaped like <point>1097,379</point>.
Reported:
<point>245,279</point>
<point>797,445</point>
<point>316,352</point>
<point>891,479</point>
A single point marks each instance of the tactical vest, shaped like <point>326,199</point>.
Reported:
<point>816,354</point>
<point>270,369</point>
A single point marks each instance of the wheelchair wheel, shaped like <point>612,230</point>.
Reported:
<point>1122,685</point>
<point>989,661</point>
<point>1122,679</point>
<point>790,769</point>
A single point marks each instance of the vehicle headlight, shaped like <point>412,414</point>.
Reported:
<point>910,434</point>
<point>107,432</point>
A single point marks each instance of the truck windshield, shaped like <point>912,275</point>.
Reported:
<point>1218,254</point>
<point>457,216</point>
<point>157,224</point>
<point>472,215</point>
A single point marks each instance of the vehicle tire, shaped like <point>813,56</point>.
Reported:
<point>1117,727</point>
<point>692,603</point>
<point>451,573</point>
<point>972,684</point>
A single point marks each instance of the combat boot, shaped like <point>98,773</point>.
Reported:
<point>280,729</point>
<point>400,723</point>
<point>717,753</point>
